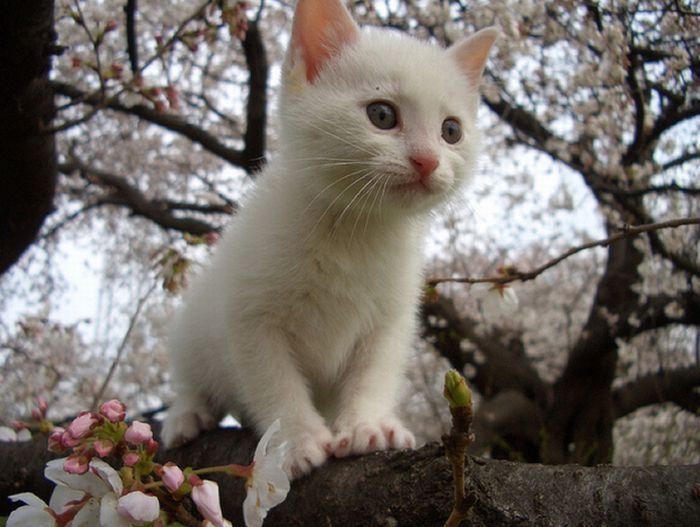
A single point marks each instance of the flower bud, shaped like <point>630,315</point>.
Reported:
<point>113,410</point>
<point>131,458</point>
<point>172,477</point>
<point>138,433</point>
<point>206,498</point>
<point>56,440</point>
<point>81,426</point>
<point>456,390</point>
<point>137,507</point>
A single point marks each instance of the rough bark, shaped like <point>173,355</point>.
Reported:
<point>414,488</point>
<point>27,153</point>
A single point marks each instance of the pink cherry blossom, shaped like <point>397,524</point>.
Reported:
<point>81,426</point>
<point>56,440</point>
<point>138,507</point>
<point>206,498</point>
<point>138,433</point>
<point>113,410</point>
<point>172,477</point>
<point>131,458</point>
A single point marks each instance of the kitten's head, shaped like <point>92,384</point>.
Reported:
<point>376,120</point>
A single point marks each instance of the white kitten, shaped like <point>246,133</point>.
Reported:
<point>309,307</point>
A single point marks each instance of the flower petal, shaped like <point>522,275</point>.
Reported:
<point>109,516</point>
<point>88,515</point>
<point>138,507</point>
<point>29,498</point>
<point>62,496</point>
<point>253,514</point>
<point>29,516</point>
<point>261,449</point>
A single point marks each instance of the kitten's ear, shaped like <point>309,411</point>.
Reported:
<point>320,30</point>
<point>471,53</point>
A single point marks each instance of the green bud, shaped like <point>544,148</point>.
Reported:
<point>456,390</point>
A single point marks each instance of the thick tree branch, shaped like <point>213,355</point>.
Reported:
<point>174,123</point>
<point>131,46</point>
<point>122,193</point>
<point>415,488</point>
<point>663,386</point>
<point>256,109</point>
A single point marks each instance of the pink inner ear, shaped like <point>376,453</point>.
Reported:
<point>471,53</point>
<point>320,31</point>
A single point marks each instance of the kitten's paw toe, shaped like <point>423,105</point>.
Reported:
<point>397,435</point>
<point>306,452</point>
<point>183,426</point>
<point>363,439</point>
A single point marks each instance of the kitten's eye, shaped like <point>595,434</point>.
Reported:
<point>451,130</point>
<point>382,115</point>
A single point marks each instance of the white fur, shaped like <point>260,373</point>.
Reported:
<point>308,309</point>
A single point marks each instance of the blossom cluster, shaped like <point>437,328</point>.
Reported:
<point>110,478</point>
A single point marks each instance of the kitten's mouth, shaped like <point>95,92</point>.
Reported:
<point>417,186</point>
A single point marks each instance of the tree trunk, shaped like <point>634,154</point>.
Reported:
<point>415,488</point>
<point>579,423</point>
<point>27,151</point>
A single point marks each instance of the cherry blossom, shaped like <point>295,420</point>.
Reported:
<point>138,433</point>
<point>172,477</point>
<point>206,497</point>
<point>268,486</point>
<point>113,410</point>
<point>35,512</point>
<point>138,507</point>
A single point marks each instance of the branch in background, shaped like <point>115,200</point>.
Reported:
<point>99,395</point>
<point>131,47</point>
<point>123,193</point>
<point>656,189</point>
<point>174,123</point>
<point>502,364</point>
<point>664,386</point>
<point>256,108</point>
<point>514,275</point>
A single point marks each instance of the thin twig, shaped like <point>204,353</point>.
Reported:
<point>513,275</point>
<point>122,346</point>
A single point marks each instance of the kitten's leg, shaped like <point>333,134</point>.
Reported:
<point>276,388</point>
<point>366,418</point>
<point>187,417</point>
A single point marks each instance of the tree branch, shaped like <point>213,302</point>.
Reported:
<point>504,366</point>
<point>513,275</point>
<point>131,46</point>
<point>415,488</point>
<point>256,109</point>
<point>174,123</point>
<point>123,193</point>
<point>660,387</point>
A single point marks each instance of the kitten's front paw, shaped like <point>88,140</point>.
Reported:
<point>306,451</point>
<point>365,437</point>
<point>183,425</point>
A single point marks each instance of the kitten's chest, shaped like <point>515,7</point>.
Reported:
<point>341,296</point>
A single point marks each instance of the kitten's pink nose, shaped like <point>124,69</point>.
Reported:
<point>424,165</point>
